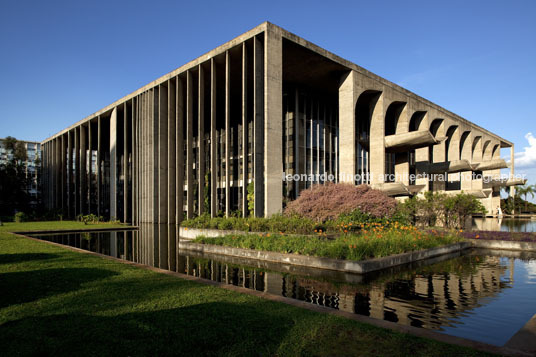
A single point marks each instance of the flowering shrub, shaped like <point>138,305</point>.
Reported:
<point>328,202</point>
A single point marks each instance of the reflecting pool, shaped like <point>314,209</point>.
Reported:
<point>483,295</point>
<point>504,224</point>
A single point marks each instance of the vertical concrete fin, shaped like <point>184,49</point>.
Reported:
<point>180,149</point>
<point>273,123</point>
<point>113,164</point>
<point>162,144</point>
<point>227,133</point>
<point>258,125</point>
<point>201,139</point>
<point>189,146</point>
<point>244,131</point>
<point>213,142</point>
<point>172,157</point>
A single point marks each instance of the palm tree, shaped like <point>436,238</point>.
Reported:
<point>525,191</point>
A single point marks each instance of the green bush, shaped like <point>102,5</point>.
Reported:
<point>21,217</point>
<point>439,209</point>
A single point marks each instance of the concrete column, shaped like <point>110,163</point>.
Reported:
<point>63,174</point>
<point>155,144</point>
<point>201,139</point>
<point>179,150</point>
<point>402,159</point>
<point>99,171</point>
<point>512,169</point>
<point>244,131</point>
<point>213,143</point>
<point>465,177</point>
<point>476,184</point>
<point>143,158</point>
<point>58,185</point>
<point>258,125</point>
<point>83,171</point>
<point>90,167</point>
<point>439,155</point>
<point>69,173</point>
<point>453,151</point>
<point>77,171</point>
<point>189,146</point>
<point>134,160</point>
<point>347,129</point>
<point>227,133</point>
<point>377,142</point>
<point>125,163</point>
<point>162,154</point>
<point>113,164</point>
<point>172,152</point>
<point>273,123</point>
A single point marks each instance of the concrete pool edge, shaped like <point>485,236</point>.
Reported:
<point>410,330</point>
<point>503,244</point>
<point>348,266</point>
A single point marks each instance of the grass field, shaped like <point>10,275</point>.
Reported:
<point>55,301</point>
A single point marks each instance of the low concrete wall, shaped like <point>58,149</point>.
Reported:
<point>193,233</point>
<point>505,245</point>
<point>349,266</point>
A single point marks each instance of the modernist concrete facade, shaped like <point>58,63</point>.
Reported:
<point>265,104</point>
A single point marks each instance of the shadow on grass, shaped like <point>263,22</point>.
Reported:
<point>202,329</point>
<point>26,286</point>
<point>24,257</point>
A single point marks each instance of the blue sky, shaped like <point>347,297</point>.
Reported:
<point>63,60</point>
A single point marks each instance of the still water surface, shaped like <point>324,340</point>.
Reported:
<point>504,224</point>
<point>482,295</point>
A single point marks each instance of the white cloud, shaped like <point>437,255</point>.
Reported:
<point>527,158</point>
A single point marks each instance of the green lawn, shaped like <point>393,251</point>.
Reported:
<point>54,301</point>
<point>55,225</point>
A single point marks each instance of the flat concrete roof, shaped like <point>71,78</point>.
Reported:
<point>292,37</point>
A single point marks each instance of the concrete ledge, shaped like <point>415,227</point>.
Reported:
<point>193,233</point>
<point>349,266</point>
<point>503,244</point>
<point>525,339</point>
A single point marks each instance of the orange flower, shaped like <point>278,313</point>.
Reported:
<point>477,236</point>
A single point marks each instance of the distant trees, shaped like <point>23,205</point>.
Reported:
<point>13,181</point>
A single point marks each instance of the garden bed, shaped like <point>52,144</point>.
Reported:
<point>343,265</point>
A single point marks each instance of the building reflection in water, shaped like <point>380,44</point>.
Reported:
<point>427,296</point>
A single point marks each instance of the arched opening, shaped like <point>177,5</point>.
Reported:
<point>452,153</point>
<point>434,128</point>
<point>486,150</point>
<point>416,120</point>
<point>392,117</point>
<point>363,116</point>
<point>495,153</point>
<point>464,152</point>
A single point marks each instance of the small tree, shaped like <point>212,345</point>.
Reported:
<point>251,198</point>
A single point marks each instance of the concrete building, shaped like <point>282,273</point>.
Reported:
<point>32,166</point>
<point>262,105</point>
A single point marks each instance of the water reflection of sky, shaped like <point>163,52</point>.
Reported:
<point>516,305</point>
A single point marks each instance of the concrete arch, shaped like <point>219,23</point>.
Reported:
<point>476,152</point>
<point>437,152</point>
<point>368,126</point>
<point>465,145</point>
<point>486,150</point>
<point>496,151</point>
<point>396,118</point>
<point>418,121</point>
<point>452,143</point>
